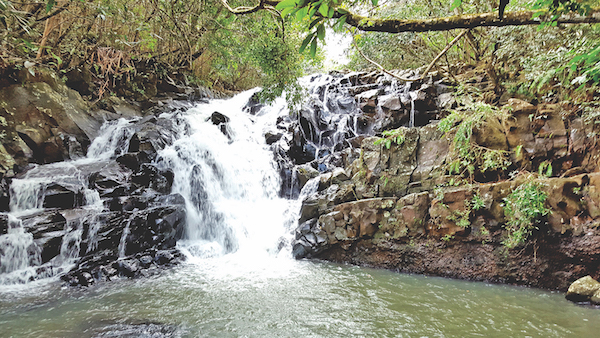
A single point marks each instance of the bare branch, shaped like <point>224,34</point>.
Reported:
<point>243,9</point>
<point>452,43</point>
<point>378,65</point>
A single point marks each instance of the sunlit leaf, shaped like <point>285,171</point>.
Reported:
<point>321,32</point>
<point>286,4</point>
<point>455,4</point>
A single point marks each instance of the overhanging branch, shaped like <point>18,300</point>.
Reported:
<point>464,21</point>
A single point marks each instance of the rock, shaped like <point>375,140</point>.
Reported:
<point>4,194</point>
<point>367,101</point>
<point>221,121</point>
<point>151,177</point>
<point>57,196</point>
<point>595,299</point>
<point>582,289</point>
<point>3,224</point>
<point>163,257</point>
<point>272,137</point>
<point>305,172</point>
<point>127,268</point>
<point>80,79</point>
<point>217,118</point>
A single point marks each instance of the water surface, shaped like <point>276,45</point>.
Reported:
<point>278,297</point>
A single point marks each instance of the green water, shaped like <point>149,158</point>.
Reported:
<point>284,298</point>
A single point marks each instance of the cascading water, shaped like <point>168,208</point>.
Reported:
<point>229,180</point>
<point>21,258</point>
<point>225,172</point>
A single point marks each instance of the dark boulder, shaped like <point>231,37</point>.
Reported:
<point>221,121</point>
<point>58,196</point>
<point>3,224</point>
<point>217,118</point>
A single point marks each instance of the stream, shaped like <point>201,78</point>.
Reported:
<point>234,296</point>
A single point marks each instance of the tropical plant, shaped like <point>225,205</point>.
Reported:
<point>524,208</point>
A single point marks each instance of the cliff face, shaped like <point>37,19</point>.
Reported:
<point>397,208</point>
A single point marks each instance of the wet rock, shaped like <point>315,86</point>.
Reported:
<point>305,172</point>
<point>221,121</point>
<point>111,181</point>
<point>272,137</point>
<point>133,161</point>
<point>163,257</point>
<point>583,289</point>
<point>52,247</point>
<point>153,134</point>
<point>3,224</point>
<point>4,194</point>
<point>146,260</point>
<point>85,279</point>
<point>217,118</point>
<point>151,177</point>
<point>127,267</point>
<point>57,196</point>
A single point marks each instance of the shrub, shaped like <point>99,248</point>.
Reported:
<point>524,208</point>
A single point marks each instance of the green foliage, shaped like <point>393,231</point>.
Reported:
<point>199,39</point>
<point>461,217</point>
<point>545,169</point>
<point>447,237</point>
<point>394,136</point>
<point>588,64</point>
<point>523,208</point>
<point>467,156</point>
<point>477,202</point>
<point>556,8</point>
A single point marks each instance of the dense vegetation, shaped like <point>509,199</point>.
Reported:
<point>212,44</point>
<point>117,38</point>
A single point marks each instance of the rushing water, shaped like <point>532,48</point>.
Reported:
<point>239,279</point>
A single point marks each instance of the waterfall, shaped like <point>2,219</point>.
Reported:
<point>225,165</point>
<point>21,256</point>
<point>229,179</point>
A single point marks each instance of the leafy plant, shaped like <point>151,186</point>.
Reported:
<point>556,8</point>
<point>524,208</point>
<point>589,65</point>
<point>545,169</point>
<point>468,156</point>
<point>477,202</point>
<point>394,136</point>
<point>447,237</point>
<point>461,217</point>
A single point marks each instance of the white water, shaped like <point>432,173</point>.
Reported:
<point>230,183</point>
<point>20,257</point>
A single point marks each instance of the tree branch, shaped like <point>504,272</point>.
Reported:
<point>380,66</point>
<point>245,10</point>
<point>463,21</point>
<point>452,43</point>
